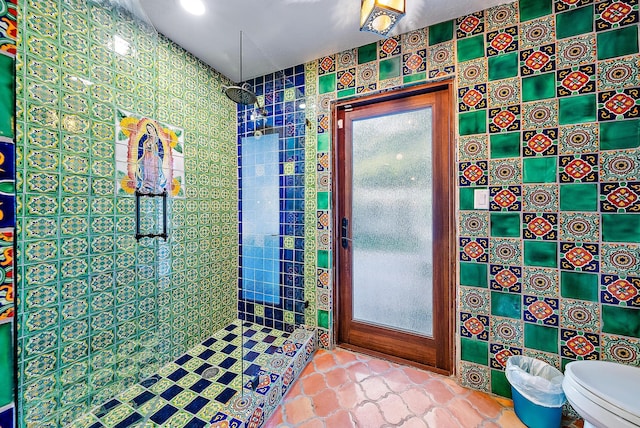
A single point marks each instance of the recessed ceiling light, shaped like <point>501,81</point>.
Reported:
<point>195,7</point>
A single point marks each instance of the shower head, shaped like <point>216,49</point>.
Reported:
<point>240,94</point>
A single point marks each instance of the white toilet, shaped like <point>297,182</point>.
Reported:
<point>605,394</point>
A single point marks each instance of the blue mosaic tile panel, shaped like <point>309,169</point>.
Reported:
<point>279,113</point>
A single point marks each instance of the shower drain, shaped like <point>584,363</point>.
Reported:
<point>210,372</point>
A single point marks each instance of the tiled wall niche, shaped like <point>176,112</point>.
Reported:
<point>548,120</point>
<point>97,310</point>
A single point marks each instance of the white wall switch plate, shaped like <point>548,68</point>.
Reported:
<point>481,199</point>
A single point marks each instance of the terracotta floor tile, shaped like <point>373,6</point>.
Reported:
<point>379,366</point>
<point>397,381</point>
<point>324,361</point>
<point>374,388</point>
<point>506,402</point>
<point>417,400</point>
<point>298,410</point>
<point>358,371</point>
<point>313,423</point>
<point>325,403</point>
<point>485,404</point>
<point>414,422</point>
<point>340,419</point>
<point>368,415</point>
<point>344,357</point>
<point>351,395</point>
<point>337,377</point>
<point>393,409</point>
<point>438,391</point>
<point>308,369</point>
<point>313,383</point>
<point>344,389</point>
<point>417,376</point>
<point>295,390</point>
<point>441,418</point>
<point>454,386</point>
<point>462,410</point>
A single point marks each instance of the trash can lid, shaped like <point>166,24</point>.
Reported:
<point>614,383</point>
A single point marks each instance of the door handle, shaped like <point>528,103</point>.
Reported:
<point>344,235</point>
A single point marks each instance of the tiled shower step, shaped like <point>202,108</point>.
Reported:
<point>182,394</point>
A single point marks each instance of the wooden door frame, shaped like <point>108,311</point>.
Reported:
<point>445,365</point>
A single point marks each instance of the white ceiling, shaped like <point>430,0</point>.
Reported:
<point>282,33</point>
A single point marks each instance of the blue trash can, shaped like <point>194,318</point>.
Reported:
<point>537,392</point>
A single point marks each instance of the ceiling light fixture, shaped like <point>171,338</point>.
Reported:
<point>195,7</point>
<point>380,16</point>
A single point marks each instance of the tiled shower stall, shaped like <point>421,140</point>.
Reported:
<point>548,121</point>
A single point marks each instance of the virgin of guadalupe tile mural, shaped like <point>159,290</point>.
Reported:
<point>8,26</point>
<point>149,156</point>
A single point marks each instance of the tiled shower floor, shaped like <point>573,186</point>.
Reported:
<point>178,396</point>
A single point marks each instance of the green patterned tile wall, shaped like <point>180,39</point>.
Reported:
<point>98,310</point>
<point>549,121</point>
<point>8,37</point>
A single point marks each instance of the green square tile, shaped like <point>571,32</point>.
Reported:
<point>578,285</point>
<point>470,48</point>
<point>323,200</point>
<point>473,274</point>
<point>476,351</point>
<point>412,78</point>
<point>574,22</point>
<point>621,228</point>
<point>507,305</point>
<point>539,169</point>
<point>500,384</point>
<point>367,53</point>
<point>578,109</point>
<point>541,253</point>
<point>7,96</point>
<point>6,364</point>
<point>541,337</point>
<point>323,319</point>
<point>323,143</point>
<point>442,32</point>
<point>623,41</point>
<point>539,87</point>
<point>390,68</point>
<point>324,259</point>
<point>327,83</point>
<point>503,66</point>
<point>620,320</point>
<point>474,122</point>
<point>505,145</point>
<point>531,9</point>
<point>505,225</point>
<point>347,93</point>
<point>620,134</point>
<point>466,197</point>
<point>578,197</point>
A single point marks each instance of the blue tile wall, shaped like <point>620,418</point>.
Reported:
<point>281,94</point>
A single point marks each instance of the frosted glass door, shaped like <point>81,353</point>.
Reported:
<point>391,221</point>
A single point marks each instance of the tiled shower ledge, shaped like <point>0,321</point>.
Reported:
<point>178,396</point>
